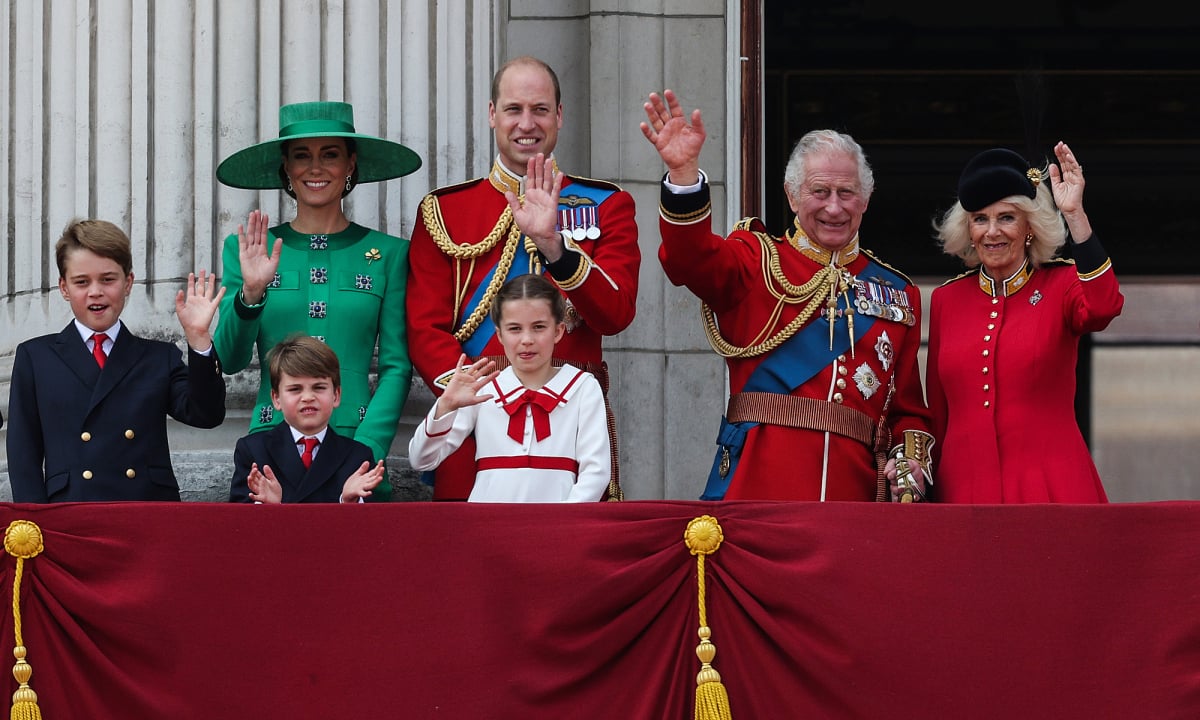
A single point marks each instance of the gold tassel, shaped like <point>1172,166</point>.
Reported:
<point>702,537</point>
<point>22,539</point>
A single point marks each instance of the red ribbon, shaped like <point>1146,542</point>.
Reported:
<point>539,405</point>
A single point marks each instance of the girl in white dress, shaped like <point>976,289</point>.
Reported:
<point>541,431</point>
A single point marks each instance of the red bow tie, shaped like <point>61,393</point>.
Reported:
<point>540,406</point>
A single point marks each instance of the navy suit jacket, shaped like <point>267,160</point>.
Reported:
<point>76,432</point>
<point>338,458</point>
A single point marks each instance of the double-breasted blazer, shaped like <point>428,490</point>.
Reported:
<point>79,432</point>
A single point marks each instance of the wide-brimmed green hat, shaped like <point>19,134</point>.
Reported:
<point>257,167</point>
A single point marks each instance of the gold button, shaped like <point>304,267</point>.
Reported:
<point>87,474</point>
<point>985,353</point>
<point>995,314</point>
<point>837,398</point>
<point>841,383</point>
<point>991,326</point>
<point>130,473</point>
<point>841,358</point>
<point>986,403</point>
<point>128,434</point>
<point>842,370</point>
<point>985,370</point>
<point>995,300</point>
<point>987,387</point>
<point>987,338</point>
<point>86,436</point>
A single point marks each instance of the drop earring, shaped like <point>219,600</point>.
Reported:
<point>349,185</point>
<point>1028,239</point>
<point>289,187</point>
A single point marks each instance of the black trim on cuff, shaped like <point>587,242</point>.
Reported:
<point>566,266</point>
<point>685,203</point>
<point>1089,255</point>
<point>246,312</point>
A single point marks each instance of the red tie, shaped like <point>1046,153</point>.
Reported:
<point>540,404</point>
<point>98,348</point>
<point>307,456</point>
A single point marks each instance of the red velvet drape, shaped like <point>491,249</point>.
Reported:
<point>430,610</point>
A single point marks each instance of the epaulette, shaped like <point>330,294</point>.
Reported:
<point>446,190</point>
<point>875,257</point>
<point>606,185</point>
<point>752,224</point>
<point>960,276</point>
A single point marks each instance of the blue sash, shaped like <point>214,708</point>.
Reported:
<point>786,368</point>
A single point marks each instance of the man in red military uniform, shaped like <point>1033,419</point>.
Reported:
<point>819,336</point>
<point>523,217</point>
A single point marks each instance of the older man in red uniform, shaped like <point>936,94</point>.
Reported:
<point>523,217</point>
<point>820,337</point>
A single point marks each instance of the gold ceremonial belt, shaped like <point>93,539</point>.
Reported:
<point>801,412</point>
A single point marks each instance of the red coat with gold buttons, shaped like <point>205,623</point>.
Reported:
<point>1001,381</point>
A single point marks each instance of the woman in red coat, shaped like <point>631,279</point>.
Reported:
<point>1003,340</point>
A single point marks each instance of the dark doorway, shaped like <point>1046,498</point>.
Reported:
<point>925,86</point>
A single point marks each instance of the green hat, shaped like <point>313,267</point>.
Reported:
<point>257,167</point>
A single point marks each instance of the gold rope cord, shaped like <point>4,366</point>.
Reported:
<point>813,292</point>
<point>475,319</point>
<point>431,216</point>
<point>702,537</point>
<point>22,540</point>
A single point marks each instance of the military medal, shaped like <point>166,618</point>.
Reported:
<point>593,228</point>
<point>578,231</point>
<point>565,224</point>
<point>884,351</point>
<point>866,380</point>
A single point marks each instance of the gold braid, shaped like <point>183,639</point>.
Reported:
<point>812,292</point>
<point>471,324</point>
<point>431,215</point>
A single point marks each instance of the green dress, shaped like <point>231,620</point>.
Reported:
<point>346,289</point>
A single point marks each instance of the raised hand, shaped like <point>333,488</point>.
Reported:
<point>264,487</point>
<point>465,384</point>
<point>196,306</point>
<point>537,216</point>
<point>677,141</point>
<point>362,482</point>
<point>1066,181</point>
<point>258,267</point>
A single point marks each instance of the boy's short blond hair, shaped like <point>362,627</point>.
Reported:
<point>303,356</point>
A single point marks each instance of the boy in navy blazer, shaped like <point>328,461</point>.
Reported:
<point>303,459</point>
<point>88,406</point>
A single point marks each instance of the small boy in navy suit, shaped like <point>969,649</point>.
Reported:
<point>88,406</point>
<point>303,459</point>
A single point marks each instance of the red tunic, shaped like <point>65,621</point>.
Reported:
<point>786,463</point>
<point>1001,380</point>
<point>602,292</point>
